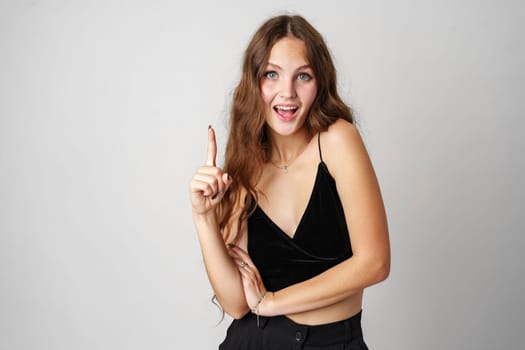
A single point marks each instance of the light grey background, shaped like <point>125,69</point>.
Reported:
<point>103,113</point>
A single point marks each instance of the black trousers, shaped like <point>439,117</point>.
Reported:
<point>281,333</point>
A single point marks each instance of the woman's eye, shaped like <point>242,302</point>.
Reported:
<point>304,76</point>
<point>271,75</point>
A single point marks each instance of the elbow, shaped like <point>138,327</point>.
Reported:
<point>237,313</point>
<point>379,271</point>
<point>235,310</point>
<point>382,270</point>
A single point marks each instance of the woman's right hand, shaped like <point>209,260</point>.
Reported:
<point>210,183</point>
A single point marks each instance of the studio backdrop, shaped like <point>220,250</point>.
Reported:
<point>104,108</point>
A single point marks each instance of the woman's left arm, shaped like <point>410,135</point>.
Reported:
<point>357,185</point>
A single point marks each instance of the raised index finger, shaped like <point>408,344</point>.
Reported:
<point>212,147</point>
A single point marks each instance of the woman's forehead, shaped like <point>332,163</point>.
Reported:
<point>286,51</point>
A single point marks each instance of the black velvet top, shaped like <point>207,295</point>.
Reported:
<point>321,240</point>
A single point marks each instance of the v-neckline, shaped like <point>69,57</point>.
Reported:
<point>301,220</point>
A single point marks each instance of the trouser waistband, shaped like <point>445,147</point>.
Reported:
<point>338,332</point>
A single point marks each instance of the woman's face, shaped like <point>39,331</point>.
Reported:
<point>288,86</point>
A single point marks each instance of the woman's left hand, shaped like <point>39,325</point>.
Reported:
<point>252,282</point>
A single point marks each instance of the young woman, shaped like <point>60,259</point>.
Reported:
<point>293,228</point>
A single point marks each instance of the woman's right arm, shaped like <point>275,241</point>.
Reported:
<point>207,189</point>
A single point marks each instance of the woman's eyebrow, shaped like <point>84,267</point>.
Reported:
<point>304,66</point>
<point>274,65</point>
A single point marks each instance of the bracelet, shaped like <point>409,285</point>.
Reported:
<point>255,309</point>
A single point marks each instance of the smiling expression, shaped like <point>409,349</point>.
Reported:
<point>288,86</point>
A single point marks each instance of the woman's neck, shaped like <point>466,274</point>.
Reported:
<point>285,149</point>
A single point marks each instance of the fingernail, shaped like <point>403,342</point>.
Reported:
<point>209,126</point>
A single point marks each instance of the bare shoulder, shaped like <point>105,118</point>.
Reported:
<point>343,148</point>
<point>341,130</point>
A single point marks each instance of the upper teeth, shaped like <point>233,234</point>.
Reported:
<point>286,108</point>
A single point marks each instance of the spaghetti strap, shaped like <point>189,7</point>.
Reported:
<point>319,145</point>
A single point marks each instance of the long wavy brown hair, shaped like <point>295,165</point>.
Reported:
<point>248,146</point>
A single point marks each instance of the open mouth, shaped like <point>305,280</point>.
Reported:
<point>286,112</point>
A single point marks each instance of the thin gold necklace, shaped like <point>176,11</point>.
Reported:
<point>284,167</point>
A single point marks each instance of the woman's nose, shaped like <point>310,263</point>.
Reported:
<point>288,88</point>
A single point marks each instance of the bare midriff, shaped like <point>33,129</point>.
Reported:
<point>336,312</point>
